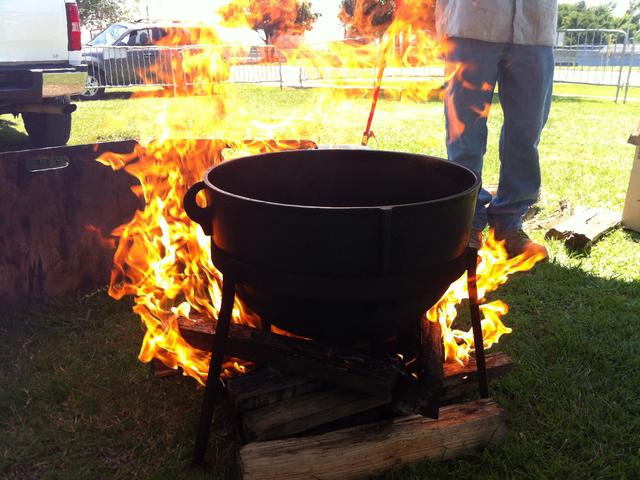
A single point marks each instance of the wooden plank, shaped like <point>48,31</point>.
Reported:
<point>304,412</point>
<point>631,212</point>
<point>462,380</point>
<point>585,227</point>
<point>634,138</point>
<point>350,369</point>
<point>372,449</point>
<point>296,415</point>
<point>160,370</point>
<point>55,203</point>
<point>266,386</point>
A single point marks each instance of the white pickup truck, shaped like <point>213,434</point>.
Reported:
<point>40,66</point>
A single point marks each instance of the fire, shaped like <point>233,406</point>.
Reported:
<point>163,259</point>
<point>483,112</point>
<point>494,269</point>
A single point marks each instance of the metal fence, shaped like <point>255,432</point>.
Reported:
<point>311,76</point>
<point>592,57</point>
<point>603,57</point>
<point>174,67</point>
<point>633,72</point>
<point>127,66</point>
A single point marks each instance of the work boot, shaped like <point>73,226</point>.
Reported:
<point>516,242</point>
<point>475,239</point>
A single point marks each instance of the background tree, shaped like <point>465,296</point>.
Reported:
<point>581,16</point>
<point>630,21</point>
<point>366,18</point>
<point>372,18</point>
<point>272,18</point>
<point>600,17</point>
<point>98,14</point>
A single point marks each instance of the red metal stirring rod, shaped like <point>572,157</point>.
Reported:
<point>368,133</point>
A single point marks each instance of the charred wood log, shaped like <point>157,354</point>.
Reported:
<point>296,415</point>
<point>424,396</point>
<point>354,370</point>
<point>160,370</point>
<point>266,386</point>
<point>276,405</point>
<point>462,380</point>
<point>431,374</point>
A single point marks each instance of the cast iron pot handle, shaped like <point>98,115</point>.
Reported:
<point>200,215</point>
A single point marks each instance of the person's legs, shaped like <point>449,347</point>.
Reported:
<point>467,100</point>
<point>525,88</point>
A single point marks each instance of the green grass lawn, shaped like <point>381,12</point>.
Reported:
<point>75,403</point>
<point>595,91</point>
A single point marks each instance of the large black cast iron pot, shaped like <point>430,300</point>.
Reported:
<point>355,243</point>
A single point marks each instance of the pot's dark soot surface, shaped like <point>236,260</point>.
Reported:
<point>341,214</point>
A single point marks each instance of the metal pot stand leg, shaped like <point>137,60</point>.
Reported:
<point>474,307</point>
<point>213,391</point>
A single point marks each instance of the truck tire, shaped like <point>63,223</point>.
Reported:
<point>93,89</point>
<point>49,129</point>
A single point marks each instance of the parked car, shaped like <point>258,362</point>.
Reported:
<point>137,53</point>
<point>40,66</point>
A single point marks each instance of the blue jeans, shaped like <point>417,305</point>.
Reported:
<point>525,76</point>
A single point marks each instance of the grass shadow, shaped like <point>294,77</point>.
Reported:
<point>74,397</point>
<point>631,235</point>
<point>12,139</point>
<point>572,398</point>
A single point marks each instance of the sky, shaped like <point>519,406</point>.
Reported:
<point>327,28</point>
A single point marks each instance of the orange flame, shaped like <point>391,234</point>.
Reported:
<point>163,258</point>
<point>494,269</point>
<point>482,112</point>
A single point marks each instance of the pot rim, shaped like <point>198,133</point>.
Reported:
<point>464,193</point>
